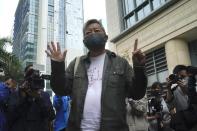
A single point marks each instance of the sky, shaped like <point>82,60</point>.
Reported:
<point>7,10</point>
<point>95,9</point>
<point>92,9</point>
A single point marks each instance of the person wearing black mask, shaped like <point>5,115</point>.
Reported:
<point>177,95</point>
<point>98,82</point>
<point>177,98</point>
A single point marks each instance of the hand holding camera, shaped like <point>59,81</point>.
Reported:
<point>25,90</point>
<point>173,79</point>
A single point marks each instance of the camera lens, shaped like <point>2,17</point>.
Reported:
<point>172,77</point>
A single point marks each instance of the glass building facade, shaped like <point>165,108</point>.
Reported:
<point>61,24</point>
<point>25,31</point>
<point>38,22</point>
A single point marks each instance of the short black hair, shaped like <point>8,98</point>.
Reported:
<point>179,68</point>
<point>192,70</point>
<point>92,21</point>
<point>9,77</point>
<point>27,67</point>
<point>155,84</point>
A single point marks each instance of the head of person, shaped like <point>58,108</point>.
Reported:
<point>10,83</point>
<point>28,70</point>
<point>180,71</point>
<point>191,70</point>
<point>156,89</point>
<point>95,36</point>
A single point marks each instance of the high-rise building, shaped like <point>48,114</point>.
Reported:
<point>38,22</point>
<point>25,36</point>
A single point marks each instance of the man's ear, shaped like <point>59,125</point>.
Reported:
<point>106,37</point>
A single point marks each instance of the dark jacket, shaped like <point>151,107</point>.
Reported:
<point>192,90</point>
<point>118,82</point>
<point>29,114</point>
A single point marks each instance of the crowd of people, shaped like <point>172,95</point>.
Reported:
<point>27,107</point>
<point>99,91</point>
<point>174,112</point>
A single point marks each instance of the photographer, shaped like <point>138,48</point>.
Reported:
<point>190,115</point>
<point>158,113</point>
<point>30,108</point>
<point>177,97</point>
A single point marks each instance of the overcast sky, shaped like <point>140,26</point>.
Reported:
<point>95,9</point>
<point>92,9</point>
<point>7,10</point>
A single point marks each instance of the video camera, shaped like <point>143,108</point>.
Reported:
<point>35,79</point>
<point>174,78</point>
<point>155,105</point>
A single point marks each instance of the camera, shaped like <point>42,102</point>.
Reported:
<point>155,105</point>
<point>174,78</point>
<point>35,79</point>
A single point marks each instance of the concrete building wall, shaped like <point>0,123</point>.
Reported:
<point>73,24</point>
<point>42,32</point>
<point>113,20</point>
<point>177,52</point>
<point>74,35</point>
<point>172,23</point>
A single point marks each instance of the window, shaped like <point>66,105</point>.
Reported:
<point>156,4</point>
<point>138,2</point>
<point>156,66</point>
<point>51,2</point>
<point>50,8</point>
<point>136,10</point>
<point>193,52</point>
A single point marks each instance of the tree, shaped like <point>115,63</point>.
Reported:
<point>8,61</point>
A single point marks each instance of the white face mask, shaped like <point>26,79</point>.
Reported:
<point>185,80</point>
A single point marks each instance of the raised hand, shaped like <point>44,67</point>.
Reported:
<point>139,58</point>
<point>55,53</point>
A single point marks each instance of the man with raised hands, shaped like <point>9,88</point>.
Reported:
<point>98,82</point>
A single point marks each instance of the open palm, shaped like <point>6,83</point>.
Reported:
<point>55,53</point>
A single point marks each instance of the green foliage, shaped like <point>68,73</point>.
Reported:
<point>9,62</point>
